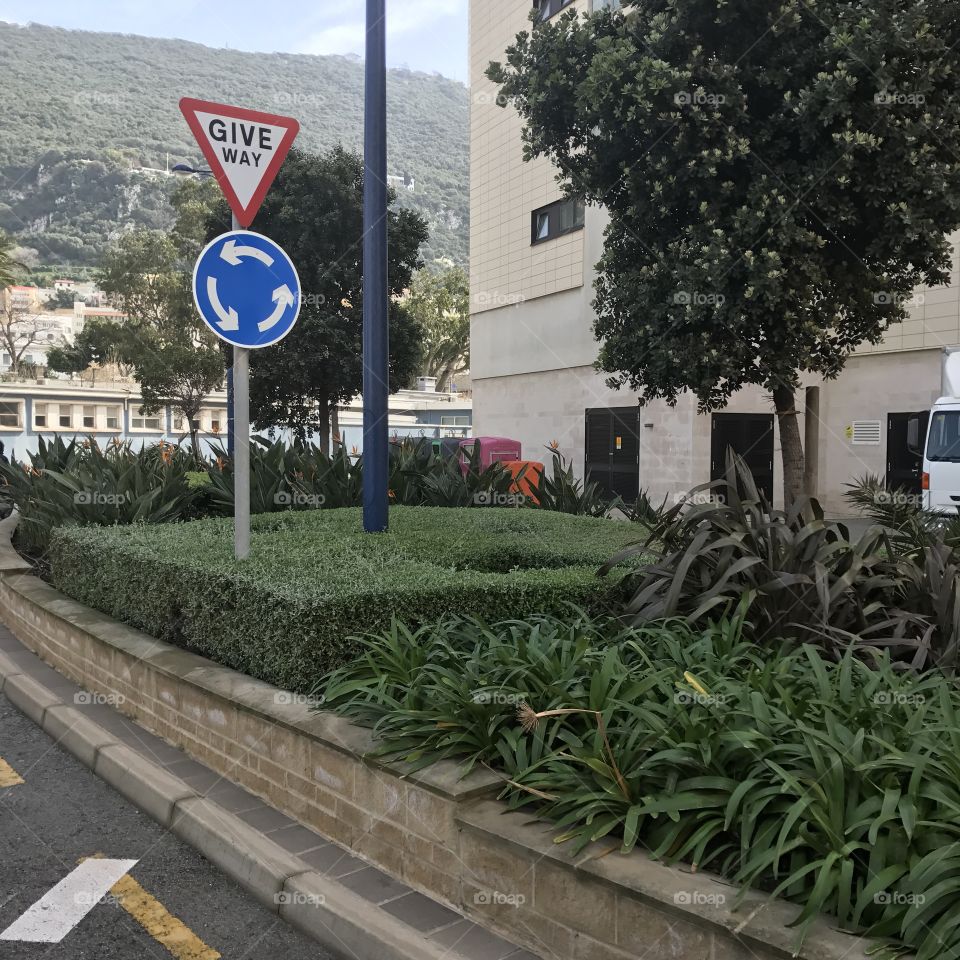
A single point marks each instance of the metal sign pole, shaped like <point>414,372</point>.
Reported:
<point>241,447</point>
<point>231,290</point>
<point>231,421</point>
<point>376,348</point>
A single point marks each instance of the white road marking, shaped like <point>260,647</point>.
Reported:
<point>59,910</point>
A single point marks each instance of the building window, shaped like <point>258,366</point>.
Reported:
<point>89,418</point>
<point>548,8</point>
<point>65,419</point>
<point>9,413</point>
<point>217,420</point>
<point>39,414</point>
<point>454,421</point>
<point>555,220</point>
<point>113,418</point>
<point>606,5</point>
<point>142,421</point>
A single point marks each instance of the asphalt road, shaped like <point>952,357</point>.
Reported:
<point>61,814</point>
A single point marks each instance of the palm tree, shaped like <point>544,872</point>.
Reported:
<point>8,266</point>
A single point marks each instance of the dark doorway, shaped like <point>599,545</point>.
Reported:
<point>903,467</point>
<point>751,436</point>
<point>612,450</point>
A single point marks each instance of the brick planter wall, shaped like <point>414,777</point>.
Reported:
<point>442,834</point>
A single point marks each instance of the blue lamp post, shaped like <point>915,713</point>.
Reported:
<point>376,346</point>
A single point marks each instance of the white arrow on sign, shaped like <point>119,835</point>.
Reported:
<point>284,298</point>
<point>233,254</point>
<point>229,318</point>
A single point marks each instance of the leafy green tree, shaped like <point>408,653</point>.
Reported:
<point>175,357</point>
<point>779,178</point>
<point>67,359</point>
<point>315,212</point>
<point>440,301</point>
<point>61,300</point>
<point>101,342</point>
<point>196,200</point>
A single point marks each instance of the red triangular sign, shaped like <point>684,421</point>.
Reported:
<point>245,149</point>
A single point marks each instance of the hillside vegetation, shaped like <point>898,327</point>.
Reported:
<point>80,112</point>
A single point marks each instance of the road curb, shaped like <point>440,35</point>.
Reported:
<point>341,921</point>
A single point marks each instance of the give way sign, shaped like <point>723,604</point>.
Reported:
<point>245,149</point>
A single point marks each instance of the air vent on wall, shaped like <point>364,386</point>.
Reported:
<point>866,432</point>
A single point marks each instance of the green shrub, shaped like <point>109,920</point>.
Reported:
<point>804,578</point>
<point>558,489</point>
<point>910,526</point>
<point>80,483</point>
<point>833,784</point>
<point>295,477</point>
<point>161,483</point>
<point>314,581</point>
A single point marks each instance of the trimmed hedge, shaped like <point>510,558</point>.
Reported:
<point>315,582</point>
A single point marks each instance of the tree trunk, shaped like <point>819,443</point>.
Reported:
<point>791,446</point>
<point>195,444</point>
<point>324,429</point>
<point>445,376</point>
<point>335,425</point>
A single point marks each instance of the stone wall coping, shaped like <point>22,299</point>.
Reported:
<point>759,921</point>
<point>445,778</point>
<point>760,924</point>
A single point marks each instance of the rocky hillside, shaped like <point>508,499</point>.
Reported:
<point>88,119</point>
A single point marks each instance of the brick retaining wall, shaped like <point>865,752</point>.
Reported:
<point>442,834</point>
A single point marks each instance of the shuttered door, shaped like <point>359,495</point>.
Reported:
<point>612,450</point>
<point>751,436</point>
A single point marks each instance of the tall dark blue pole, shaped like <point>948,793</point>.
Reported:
<point>376,347</point>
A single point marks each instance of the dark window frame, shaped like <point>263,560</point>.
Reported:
<point>554,212</point>
<point>550,8</point>
<point>9,409</point>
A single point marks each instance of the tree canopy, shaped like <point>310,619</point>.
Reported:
<point>315,212</point>
<point>175,357</point>
<point>439,300</point>
<point>779,178</point>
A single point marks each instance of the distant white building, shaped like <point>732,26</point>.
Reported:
<point>111,411</point>
<point>404,182</point>
<point>33,335</point>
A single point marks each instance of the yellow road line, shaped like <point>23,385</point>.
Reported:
<point>8,776</point>
<point>162,925</point>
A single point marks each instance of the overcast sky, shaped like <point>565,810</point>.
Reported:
<point>422,34</point>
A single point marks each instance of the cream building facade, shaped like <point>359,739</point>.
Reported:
<point>533,350</point>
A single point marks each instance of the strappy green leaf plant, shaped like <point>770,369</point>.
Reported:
<point>833,783</point>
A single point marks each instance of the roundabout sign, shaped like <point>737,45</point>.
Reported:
<point>246,289</point>
<point>244,285</point>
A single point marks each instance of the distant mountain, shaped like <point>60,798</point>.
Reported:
<point>81,115</point>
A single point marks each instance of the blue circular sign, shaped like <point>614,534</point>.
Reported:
<point>246,289</point>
